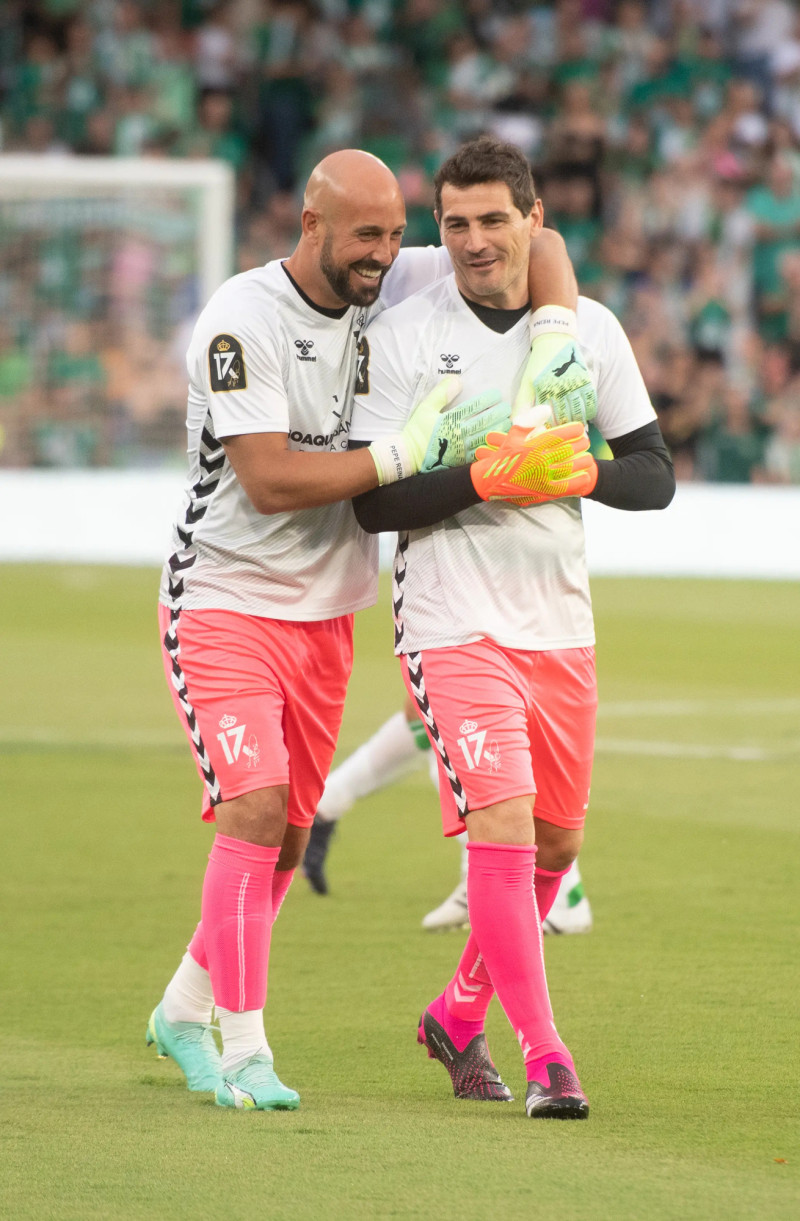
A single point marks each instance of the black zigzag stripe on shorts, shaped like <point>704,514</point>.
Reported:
<point>212,460</point>
<point>417,680</point>
<point>172,645</point>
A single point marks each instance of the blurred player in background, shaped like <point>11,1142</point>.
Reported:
<point>493,618</point>
<point>398,747</point>
<point>268,566</point>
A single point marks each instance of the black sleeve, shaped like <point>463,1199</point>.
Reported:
<point>416,502</point>
<point>640,475</point>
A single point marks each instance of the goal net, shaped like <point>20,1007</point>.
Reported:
<point>104,265</point>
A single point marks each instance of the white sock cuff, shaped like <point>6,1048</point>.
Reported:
<point>188,996</point>
<point>243,1036</point>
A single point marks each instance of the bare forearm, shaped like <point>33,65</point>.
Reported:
<point>278,480</point>
<point>551,279</point>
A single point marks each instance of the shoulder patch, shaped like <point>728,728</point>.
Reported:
<point>226,365</point>
<point>362,367</point>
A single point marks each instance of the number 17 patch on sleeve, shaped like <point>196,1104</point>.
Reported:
<point>226,364</point>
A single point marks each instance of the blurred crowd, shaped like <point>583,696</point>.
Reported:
<point>664,136</point>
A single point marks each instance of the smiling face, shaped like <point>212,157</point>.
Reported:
<point>353,222</point>
<point>488,240</point>
<point>357,251</point>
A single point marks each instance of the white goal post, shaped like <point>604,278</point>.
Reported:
<point>105,263</point>
<point>45,178</point>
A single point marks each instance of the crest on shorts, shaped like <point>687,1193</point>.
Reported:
<point>492,756</point>
<point>252,751</point>
<point>226,368</point>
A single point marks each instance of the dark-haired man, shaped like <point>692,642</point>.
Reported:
<point>492,609</point>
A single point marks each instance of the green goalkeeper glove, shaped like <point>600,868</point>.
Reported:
<point>528,468</point>
<point>460,431</point>
<point>401,454</point>
<point>436,437</point>
<point>556,372</point>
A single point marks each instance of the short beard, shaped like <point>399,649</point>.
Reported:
<point>338,278</point>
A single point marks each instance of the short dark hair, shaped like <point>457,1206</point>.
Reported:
<point>487,159</point>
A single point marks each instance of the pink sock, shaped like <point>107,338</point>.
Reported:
<point>197,947</point>
<point>470,991</point>
<point>281,881</point>
<point>546,884</point>
<point>237,921</point>
<point>505,923</point>
<point>461,1032</point>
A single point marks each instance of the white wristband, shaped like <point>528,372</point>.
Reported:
<point>553,318</point>
<point>391,458</point>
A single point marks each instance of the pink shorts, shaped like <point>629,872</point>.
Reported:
<point>505,723</point>
<point>260,699</point>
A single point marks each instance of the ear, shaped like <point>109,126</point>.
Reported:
<point>536,217</point>
<point>312,224</point>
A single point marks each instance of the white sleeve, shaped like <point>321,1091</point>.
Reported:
<point>389,384</point>
<point>239,370</point>
<point>623,403</point>
<point>415,267</point>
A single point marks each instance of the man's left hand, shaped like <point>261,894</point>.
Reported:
<point>556,373</point>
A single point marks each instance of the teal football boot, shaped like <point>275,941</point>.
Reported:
<point>191,1045</point>
<point>254,1086</point>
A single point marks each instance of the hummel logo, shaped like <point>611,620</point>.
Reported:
<point>304,346</point>
<point>561,370</point>
<point>448,360</point>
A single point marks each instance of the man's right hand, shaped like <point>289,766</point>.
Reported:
<point>401,454</point>
<point>438,436</point>
<point>459,431</point>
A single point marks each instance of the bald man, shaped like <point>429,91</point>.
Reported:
<point>267,567</point>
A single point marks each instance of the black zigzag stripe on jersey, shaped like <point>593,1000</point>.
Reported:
<point>398,580</point>
<point>417,680</point>
<point>211,458</point>
<point>172,646</point>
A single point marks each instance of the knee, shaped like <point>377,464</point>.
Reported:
<point>258,817</point>
<point>508,822</point>
<point>557,847</point>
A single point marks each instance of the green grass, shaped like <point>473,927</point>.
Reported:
<point>681,1007</point>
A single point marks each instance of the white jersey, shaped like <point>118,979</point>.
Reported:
<point>494,570</point>
<point>264,359</point>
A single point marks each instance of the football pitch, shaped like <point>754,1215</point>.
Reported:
<point>681,1007</point>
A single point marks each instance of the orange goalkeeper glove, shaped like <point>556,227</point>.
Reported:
<point>530,467</point>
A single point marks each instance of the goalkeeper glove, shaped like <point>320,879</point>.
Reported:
<point>460,431</point>
<point>400,454</point>
<point>529,468</point>
<point>556,372</point>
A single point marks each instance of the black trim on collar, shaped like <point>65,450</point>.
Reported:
<point>500,320</point>
<point>329,313</point>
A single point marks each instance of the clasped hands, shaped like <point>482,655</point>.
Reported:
<point>538,450</point>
